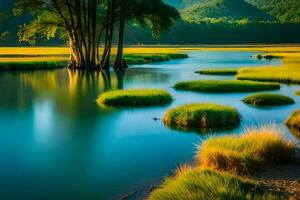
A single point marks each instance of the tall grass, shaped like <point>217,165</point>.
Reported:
<point>225,86</point>
<point>294,120</point>
<point>135,97</point>
<point>150,58</point>
<point>246,153</point>
<point>289,73</point>
<point>204,115</point>
<point>204,184</point>
<point>265,99</point>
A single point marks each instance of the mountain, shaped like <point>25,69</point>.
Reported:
<point>180,4</point>
<point>227,10</point>
<point>285,10</point>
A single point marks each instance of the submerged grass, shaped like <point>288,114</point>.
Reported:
<point>135,97</point>
<point>204,115</point>
<point>225,86</point>
<point>294,120</point>
<point>205,184</point>
<point>246,153</point>
<point>265,99</point>
<point>218,71</point>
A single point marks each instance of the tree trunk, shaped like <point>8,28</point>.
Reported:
<point>120,63</point>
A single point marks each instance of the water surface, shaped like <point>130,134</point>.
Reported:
<point>56,143</point>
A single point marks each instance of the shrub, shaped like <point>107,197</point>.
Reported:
<point>218,71</point>
<point>225,86</point>
<point>204,115</point>
<point>265,99</point>
<point>135,97</point>
<point>294,120</point>
<point>204,184</point>
<point>246,153</point>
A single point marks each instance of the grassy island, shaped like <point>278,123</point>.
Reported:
<point>265,99</point>
<point>135,97</point>
<point>218,71</point>
<point>246,153</point>
<point>294,120</point>
<point>225,86</point>
<point>204,115</point>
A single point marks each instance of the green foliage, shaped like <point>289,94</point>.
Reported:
<point>135,97</point>
<point>246,153</point>
<point>199,116</point>
<point>265,99</point>
<point>294,120</point>
<point>225,86</point>
<point>34,65</point>
<point>205,184</point>
<point>287,11</point>
<point>226,10</point>
<point>218,71</point>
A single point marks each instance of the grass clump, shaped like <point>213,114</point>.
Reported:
<point>298,93</point>
<point>265,99</point>
<point>135,97</point>
<point>205,184</point>
<point>225,86</point>
<point>218,71</point>
<point>294,120</point>
<point>32,65</point>
<point>246,153</point>
<point>135,59</point>
<point>204,115</point>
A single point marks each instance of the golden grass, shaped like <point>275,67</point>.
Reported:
<point>294,120</point>
<point>246,153</point>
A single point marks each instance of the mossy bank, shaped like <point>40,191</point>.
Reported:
<point>135,97</point>
<point>265,99</point>
<point>200,116</point>
<point>225,86</point>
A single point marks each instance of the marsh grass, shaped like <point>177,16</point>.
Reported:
<point>294,120</point>
<point>32,65</point>
<point>135,97</point>
<point>247,153</point>
<point>203,115</point>
<point>265,99</point>
<point>298,93</point>
<point>205,184</point>
<point>289,73</point>
<point>151,58</point>
<point>218,71</point>
<point>225,86</point>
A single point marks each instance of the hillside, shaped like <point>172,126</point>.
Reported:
<point>227,10</point>
<point>284,10</point>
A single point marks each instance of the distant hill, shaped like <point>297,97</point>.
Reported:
<point>228,10</point>
<point>284,10</point>
<point>180,4</point>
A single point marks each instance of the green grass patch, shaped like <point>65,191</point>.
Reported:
<point>218,71</point>
<point>32,65</point>
<point>284,74</point>
<point>199,116</point>
<point>204,184</point>
<point>135,97</point>
<point>246,153</point>
<point>135,59</point>
<point>265,99</point>
<point>294,120</point>
<point>225,86</point>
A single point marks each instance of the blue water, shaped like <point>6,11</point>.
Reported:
<point>56,143</point>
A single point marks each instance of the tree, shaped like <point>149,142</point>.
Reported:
<point>158,14</point>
